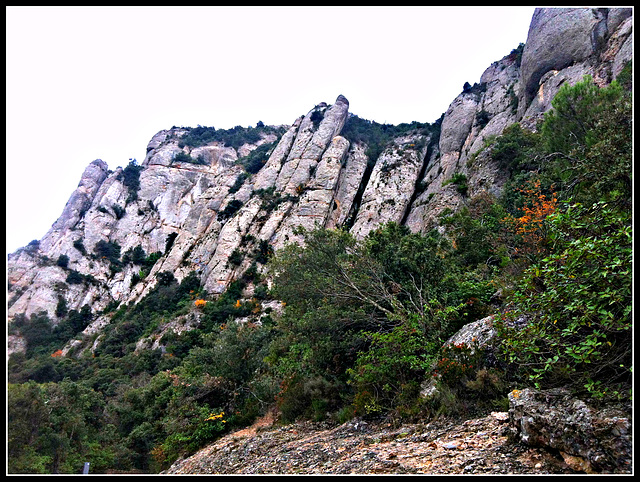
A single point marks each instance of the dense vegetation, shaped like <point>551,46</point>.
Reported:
<point>234,137</point>
<point>376,136</point>
<point>363,323</point>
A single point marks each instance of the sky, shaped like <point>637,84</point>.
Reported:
<point>86,83</point>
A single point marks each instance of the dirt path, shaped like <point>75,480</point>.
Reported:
<point>477,446</point>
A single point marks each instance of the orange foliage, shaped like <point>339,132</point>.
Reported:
<point>531,224</point>
<point>56,354</point>
<point>200,303</point>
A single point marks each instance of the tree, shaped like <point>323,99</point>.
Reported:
<point>350,302</point>
<point>131,179</point>
<point>588,136</point>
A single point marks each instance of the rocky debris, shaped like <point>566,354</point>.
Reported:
<point>589,440</point>
<point>477,446</point>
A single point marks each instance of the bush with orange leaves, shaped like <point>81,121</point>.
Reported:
<point>530,226</point>
<point>200,303</point>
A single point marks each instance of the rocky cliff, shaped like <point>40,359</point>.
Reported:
<point>189,206</point>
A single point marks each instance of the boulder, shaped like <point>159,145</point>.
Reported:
<point>478,334</point>
<point>589,440</point>
<point>561,37</point>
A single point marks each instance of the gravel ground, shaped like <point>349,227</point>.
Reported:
<point>476,446</point>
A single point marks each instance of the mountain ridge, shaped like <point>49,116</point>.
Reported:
<point>186,198</point>
<point>128,300</point>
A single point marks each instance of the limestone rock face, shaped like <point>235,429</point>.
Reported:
<point>79,202</point>
<point>568,42</point>
<point>195,215</point>
<point>316,197</point>
<point>350,180</point>
<point>561,37</point>
<point>392,183</point>
<point>563,45</point>
<point>575,30</point>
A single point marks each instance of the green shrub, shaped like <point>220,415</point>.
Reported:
<point>589,135</point>
<point>169,242</point>
<point>257,158</point>
<point>238,184</point>
<point>79,245</point>
<point>235,258</point>
<point>386,371</point>
<point>234,137</point>
<point>63,261</point>
<point>230,210</point>
<point>578,300</point>
<point>460,181</point>
<point>184,157</point>
<point>74,277</point>
<point>131,179</point>
<point>119,211</point>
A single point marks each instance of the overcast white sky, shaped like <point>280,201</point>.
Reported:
<point>87,83</point>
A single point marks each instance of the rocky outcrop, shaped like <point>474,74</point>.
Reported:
<point>563,45</point>
<point>561,37</point>
<point>78,204</point>
<point>207,209</point>
<point>477,113</point>
<point>589,440</point>
<point>478,334</point>
<point>392,183</point>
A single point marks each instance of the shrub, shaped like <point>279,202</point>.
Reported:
<point>589,133</point>
<point>234,137</point>
<point>530,225</point>
<point>111,252</point>
<point>169,243</point>
<point>119,211</point>
<point>63,261</point>
<point>578,300</point>
<point>131,179</point>
<point>184,157</point>
<point>235,258</point>
<point>74,278</point>
<point>394,361</point>
<point>257,158</point>
<point>79,245</point>
<point>460,181</point>
<point>316,117</point>
<point>515,149</point>
<point>230,209</point>
<point>482,118</point>
<point>307,397</point>
<point>238,183</point>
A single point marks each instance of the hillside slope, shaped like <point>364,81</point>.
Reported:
<point>179,298</point>
<point>195,214</point>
